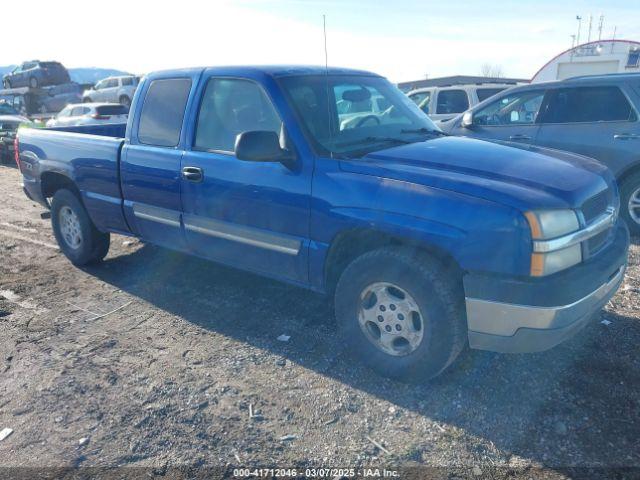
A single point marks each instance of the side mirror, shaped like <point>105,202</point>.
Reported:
<point>467,120</point>
<point>261,146</point>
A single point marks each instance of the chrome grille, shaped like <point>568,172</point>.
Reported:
<point>595,206</point>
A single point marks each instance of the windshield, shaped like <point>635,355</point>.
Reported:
<point>6,109</point>
<point>347,115</point>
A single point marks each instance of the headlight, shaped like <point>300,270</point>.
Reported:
<point>547,225</point>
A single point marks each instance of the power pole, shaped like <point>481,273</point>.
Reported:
<point>579,19</point>
<point>600,26</point>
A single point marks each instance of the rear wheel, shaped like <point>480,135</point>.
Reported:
<point>630,202</point>
<point>87,100</point>
<point>401,313</point>
<point>77,236</point>
<point>7,84</point>
<point>33,82</point>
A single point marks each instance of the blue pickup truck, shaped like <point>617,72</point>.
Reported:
<point>335,181</point>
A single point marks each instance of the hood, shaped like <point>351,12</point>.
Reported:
<point>14,118</point>
<point>519,176</point>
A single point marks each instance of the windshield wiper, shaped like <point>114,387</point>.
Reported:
<point>375,139</point>
<point>425,130</point>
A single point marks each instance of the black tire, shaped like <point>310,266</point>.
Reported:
<point>87,100</point>
<point>438,294</point>
<point>7,84</point>
<point>94,244</point>
<point>33,82</point>
<point>630,187</point>
<point>126,101</point>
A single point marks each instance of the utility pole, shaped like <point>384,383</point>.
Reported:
<point>579,19</point>
<point>590,24</point>
<point>573,41</point>
<point>600,26</point>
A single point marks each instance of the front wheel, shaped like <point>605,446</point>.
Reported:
<point>7,84</point>
<point>78,238</point>
<point>401,313</point>
<point>630,202</point>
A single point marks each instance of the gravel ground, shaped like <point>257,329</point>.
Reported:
<point>187,370</point>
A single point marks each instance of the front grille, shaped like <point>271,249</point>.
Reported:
<point>597,242</point>
<point>595,206</point>
<point>9,126</point>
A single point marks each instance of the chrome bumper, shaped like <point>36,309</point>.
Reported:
<point>510,328</point>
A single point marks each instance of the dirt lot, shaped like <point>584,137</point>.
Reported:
<point>170,377</point>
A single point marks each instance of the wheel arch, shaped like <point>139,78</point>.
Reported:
<point>350,244</point>
<point>627,172</point>
<point>51,182</point>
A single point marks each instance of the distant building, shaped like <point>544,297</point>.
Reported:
<point>456,80</point>
<point>592,58</point>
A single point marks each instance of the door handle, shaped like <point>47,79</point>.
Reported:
<point>192,174</point>
<point>519,136</point>
<point>626,136</point>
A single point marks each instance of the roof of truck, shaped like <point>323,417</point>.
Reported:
<point>272,70</point>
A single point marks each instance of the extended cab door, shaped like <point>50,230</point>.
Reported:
<point>150,165</point>
<point>253,215</point>
<point>597,121</point>
<point>511,117</point>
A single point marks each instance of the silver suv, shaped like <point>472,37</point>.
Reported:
<point>597,116</point>
<point>445,103</point>
<point>113,90</point>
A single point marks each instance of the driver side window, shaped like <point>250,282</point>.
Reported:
<point>520,108</point>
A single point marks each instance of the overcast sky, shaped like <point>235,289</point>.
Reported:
<point>402,39</point>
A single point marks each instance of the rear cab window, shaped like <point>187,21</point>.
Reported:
<point>163,111</point>
<point>589,105</point>
<point>452,101</point>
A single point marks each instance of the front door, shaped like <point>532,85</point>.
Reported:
<point>512,118</point>
<point>253,215</point>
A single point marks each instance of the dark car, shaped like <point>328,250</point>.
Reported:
<point>10,120</point>
<point>596,116</point>
<point>55,98</point>
<point>36,74</point>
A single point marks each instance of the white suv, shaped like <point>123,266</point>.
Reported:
<point>445,103</point>
<point>113,90</point>
<point>90,114</point>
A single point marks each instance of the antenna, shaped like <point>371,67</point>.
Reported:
<point>326,77</point>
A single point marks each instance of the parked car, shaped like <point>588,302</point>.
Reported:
<point>53,99</point>
<point>35,74</point>
<point>596,116</point>
<point>90,114</point>
<point>10,120</point>
<point>113,90</point>
<point>444,103</point>
<point>425,242</point>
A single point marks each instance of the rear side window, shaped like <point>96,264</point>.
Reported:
<point>589,104</point>
<point>126,81</point>
<point>111,110</point>
<point>452,101</point>
<point>230,107</point>
<point>163,112</point>
<point>484,93</point>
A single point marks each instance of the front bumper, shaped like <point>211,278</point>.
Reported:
<point>530,315</point>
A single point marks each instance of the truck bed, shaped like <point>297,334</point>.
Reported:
<point>88,155</point>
